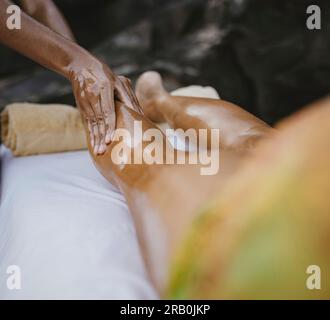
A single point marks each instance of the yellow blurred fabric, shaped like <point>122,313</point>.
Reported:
<point>260,236</point>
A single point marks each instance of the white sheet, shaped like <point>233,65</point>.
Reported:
<point>68,230</point>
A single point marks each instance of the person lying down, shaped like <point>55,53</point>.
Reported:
<point>251,229</point>
<point>213,236</point>
<point>256,228</point>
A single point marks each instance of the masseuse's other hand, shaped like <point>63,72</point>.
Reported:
<point>96,88</point>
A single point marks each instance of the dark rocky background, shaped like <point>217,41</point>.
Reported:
<point>256,53</point>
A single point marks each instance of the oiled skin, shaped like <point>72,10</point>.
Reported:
<point>46,12</point>
<point>95,86</point>
<point>164,199</point>
<point>239,129</point>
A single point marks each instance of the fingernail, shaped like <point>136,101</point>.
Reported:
<point>102,149</point>
<point>109,137</point>
<point>96,149</point>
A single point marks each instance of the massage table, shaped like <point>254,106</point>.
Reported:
<point>68,230</point>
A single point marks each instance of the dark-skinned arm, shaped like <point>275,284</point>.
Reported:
<point>48,14</point>
<point>94,85</point>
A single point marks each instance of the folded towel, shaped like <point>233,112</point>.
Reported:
<point>196,91</point>
<point>29,129</point>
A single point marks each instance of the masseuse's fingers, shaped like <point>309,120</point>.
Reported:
<point>92,111</point>
<point>98,122</point>
<point>80,92</point>
<point>96,137</point>
<point>89,114</point>
<point>99,129</point>
<point>109,112</point>
<point>91,135</point>
<point>125,93</point>
<point>85,109</point>
<point>103,121</point>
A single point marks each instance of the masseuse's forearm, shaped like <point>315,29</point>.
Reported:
<point>40,44</point>
<point>46,12</point>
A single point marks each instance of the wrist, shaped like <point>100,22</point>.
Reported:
<point>79,60</point>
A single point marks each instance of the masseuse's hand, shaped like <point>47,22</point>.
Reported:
<point>94,85</point>
<point>96,88</point>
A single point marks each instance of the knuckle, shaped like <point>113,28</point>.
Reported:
<point>99,119</point>
<point>93,122</point>
<point>125,80</point>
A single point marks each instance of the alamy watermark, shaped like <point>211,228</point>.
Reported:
<point>314,20</point>
<point>14,20</point>
<point>151,147</point>
<point>14,279</point>
<point>313,281</point>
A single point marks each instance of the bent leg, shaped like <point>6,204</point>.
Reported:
<point>238,128</point>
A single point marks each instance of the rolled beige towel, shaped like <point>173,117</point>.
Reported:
<point>30,129</point>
